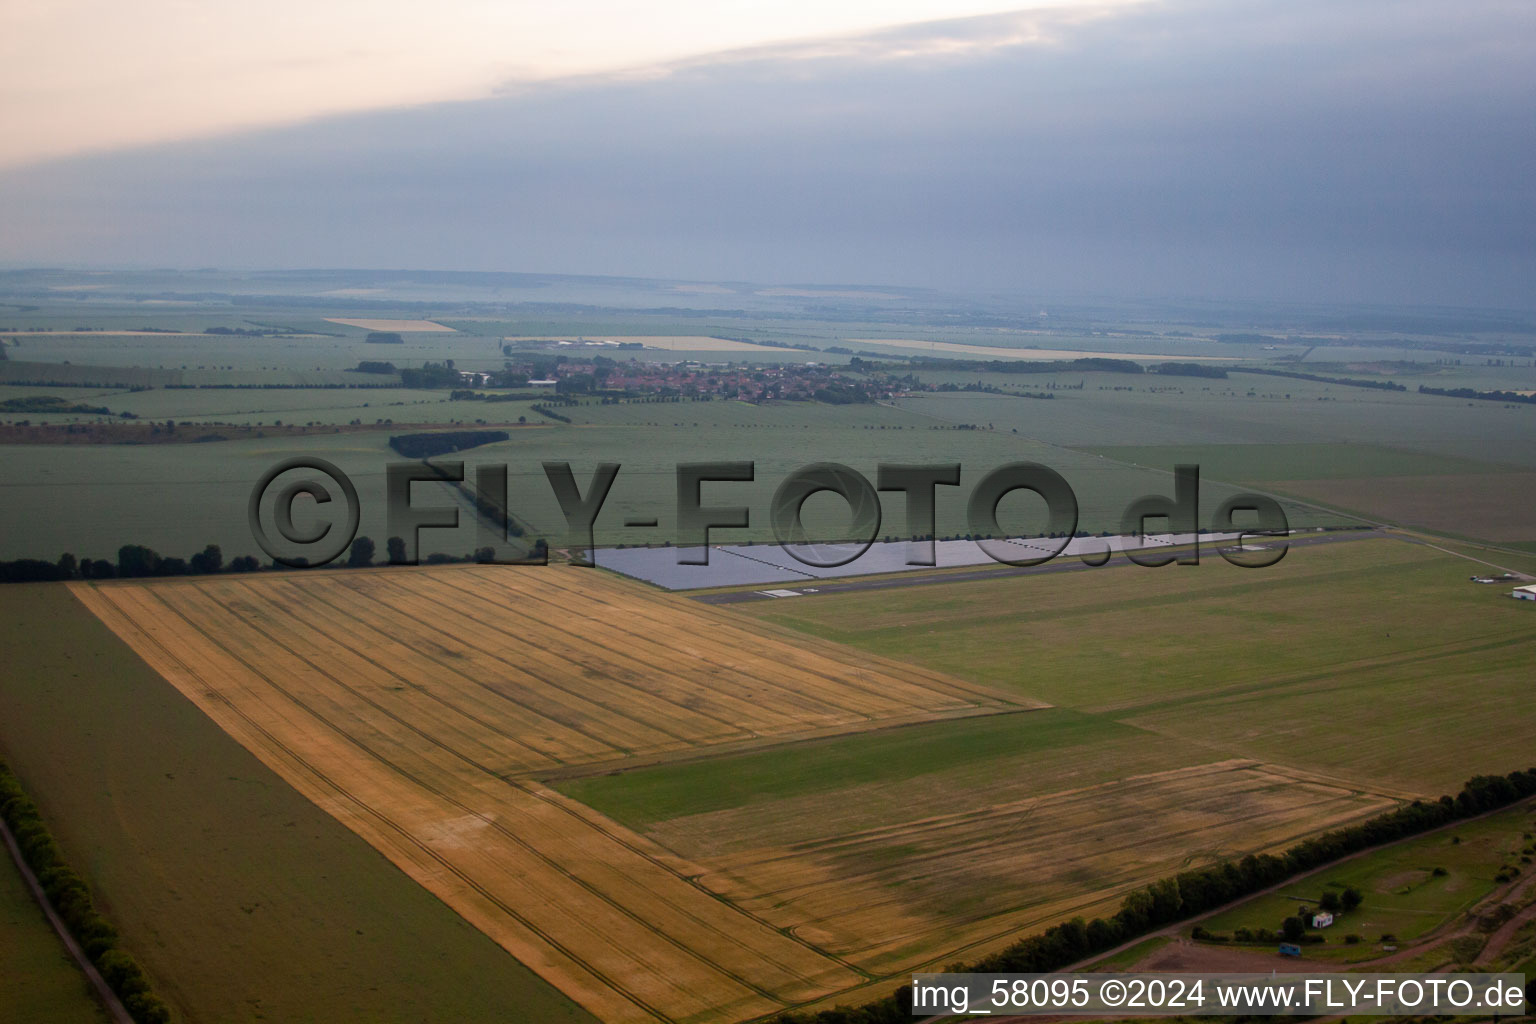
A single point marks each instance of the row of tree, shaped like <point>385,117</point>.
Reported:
<point>1194,892</point>
<point>1352,382</point>
<point>135,561</point>
<point>71,899</point>
<point>1486,396</point>
<point>443,442</point>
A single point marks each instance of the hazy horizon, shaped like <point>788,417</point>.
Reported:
<point>1378,153</point>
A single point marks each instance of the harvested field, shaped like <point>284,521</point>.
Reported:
<point>415,706</point>
<point>410,326</point>
<point>933,888</point>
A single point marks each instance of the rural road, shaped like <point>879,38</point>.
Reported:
<point>1433,937</point>
<point>114,1007</point>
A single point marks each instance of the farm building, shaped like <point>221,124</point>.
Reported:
<point>1524,593</point>
<point>1322,919</point>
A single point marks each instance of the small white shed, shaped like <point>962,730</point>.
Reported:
<point>1524,593</point>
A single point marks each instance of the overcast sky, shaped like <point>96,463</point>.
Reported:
<point>1370,150</point>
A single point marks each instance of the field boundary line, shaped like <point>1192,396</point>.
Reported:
<point>369,811</point>
<point>490,820</point>
<point>536,855</point>
<point>604,826</point>
<point>113,1005</point>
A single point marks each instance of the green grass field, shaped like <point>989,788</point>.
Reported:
<point>1404,895</point>
<point>242,899</point>
<point>974,760</point>
<point>1127,958</point>
<point>1266,463</point>
<point>40,982</point>
<point>1115,410</point>
<point>177,498</point>
<point>1336,659</point>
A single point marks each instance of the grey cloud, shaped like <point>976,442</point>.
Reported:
<point>1379,150</point>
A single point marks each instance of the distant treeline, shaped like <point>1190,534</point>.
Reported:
<point>275,387</point>
<point>64,375</point>
<point>544,410</point>
<point>1194,892</point>
<point>1090,364</point>
<point>135,561</point>
<point>384,338</point>
<point>424,446</point>
<point>1353,382</point>
<point>55,404</point>
<point>1087,364</point>
<point>247,332</point>
<point>471,395</point>
<point>767,343</point>
<point>1487,396</point>
<point>70,897</point>
<point>1189,370</point>
<point>1248,339</point>
<point>430,375</point>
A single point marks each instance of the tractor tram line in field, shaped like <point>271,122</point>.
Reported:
<point>469,809</point>
<point>363,711</point>
<point>656,664</point>
<point>565,715</point>
<point>244,720</point>
<point>730,634</point>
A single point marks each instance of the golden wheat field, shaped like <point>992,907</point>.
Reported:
<point>417,707</point>
<point>426,708</point>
